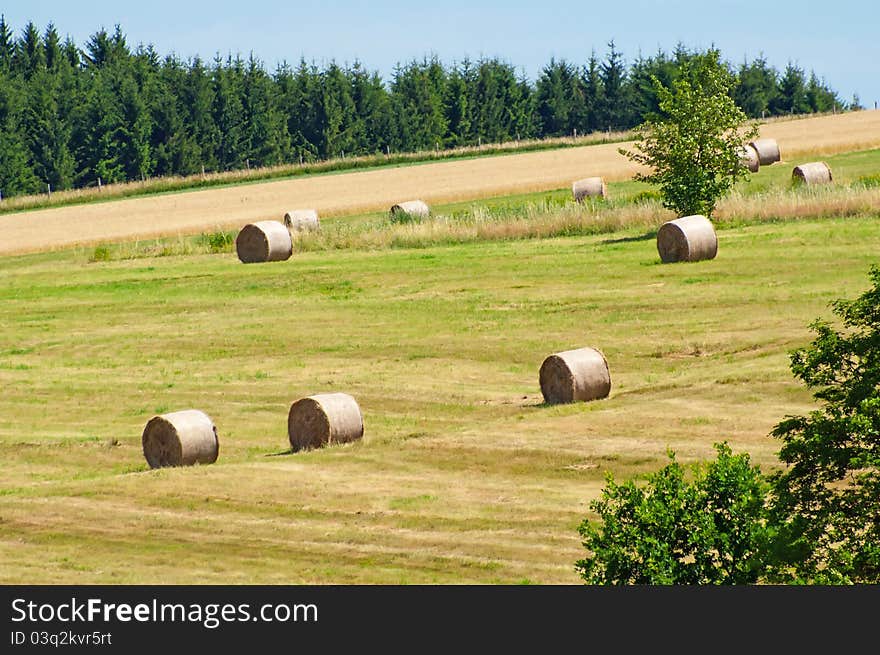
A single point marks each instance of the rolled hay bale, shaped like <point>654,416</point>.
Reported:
<point>687,239</point>
<point>300,220</point>
<point>814,172</point>
<point>323,420</point>
<point>264,241</point>
<point>589,187</point>
<point>767,149</point>
<point>749,158</point>
<point>575,375</point>
<point>412,208</point>
<point>180,438</point>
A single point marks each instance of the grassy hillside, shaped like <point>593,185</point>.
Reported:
<point>464,475</point>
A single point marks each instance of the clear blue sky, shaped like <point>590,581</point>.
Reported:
<point>840,40</point>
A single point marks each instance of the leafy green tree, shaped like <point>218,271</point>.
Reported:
<point>827,499</point>
<point>692,149</point>
<point>709,530</point>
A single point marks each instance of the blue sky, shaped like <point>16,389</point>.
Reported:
<point>840,41</point>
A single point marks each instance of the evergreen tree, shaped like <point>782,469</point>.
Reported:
<point>29,56</point>
<point>614,109</point>
<point>456,106</point>
<point>792,98</point>
<point>7,45</point>
<point>594,94</point>
<point>268,142</point>
<point>52,48</point>
<point>16,174</point>
<point>229,113</point>
<point>756,90</point>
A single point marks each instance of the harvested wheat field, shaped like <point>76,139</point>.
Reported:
<point>349,193</point>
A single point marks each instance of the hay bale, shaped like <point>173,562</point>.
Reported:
<point>575,375</point>
<point>411,208</point>
<point>180,438</point>
<point>814,172</point>
<point>324,419</point>
<point>749,158</point>
<point>767,149</point>
<point>264,241</point>
<point>589,187</point>
<point>687,239</point>
<point>300,220</point>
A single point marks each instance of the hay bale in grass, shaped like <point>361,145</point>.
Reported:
<point>767,149</point>
<point>417,209</point>
<point>300,220</point>
<point>264,241</point>
<point>687,239</point>
<point>749,158</point>
<point>180,438</point>
<point>575,375</point>
<point>589,187</point>
<point>814,172</point>
<point>324,419</point>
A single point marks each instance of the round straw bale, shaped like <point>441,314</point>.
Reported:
<point>687,239</point>
<point>749,158</point>
<point>575,375</point>
<point>815,172</point>
<point>413,208</point>
<point>767,149</point>
<point>264,241</point>
<point>298,220</point>
<point>180,438</point>
<point>324,419</point>
<point>590,187</point>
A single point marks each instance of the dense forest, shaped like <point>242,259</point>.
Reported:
<point>71,116</point>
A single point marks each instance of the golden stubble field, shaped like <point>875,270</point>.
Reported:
<point>372,190</point>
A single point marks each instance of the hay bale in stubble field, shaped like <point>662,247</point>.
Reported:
<point>687,239</point>
<point>180,438</point>
<point>814,172</point>
<point>589,187</point>
<point>300,220</point>
<point>323,420</point>
<point>749,157</point>
<point>263,241</point>
<point>767,149</point>
<point>574,375</point>
<point>410,208</point>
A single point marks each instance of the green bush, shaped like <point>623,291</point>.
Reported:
<point>100,254</point>
<point>711,530</point>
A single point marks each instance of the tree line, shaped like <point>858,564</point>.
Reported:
<point>76,117</point>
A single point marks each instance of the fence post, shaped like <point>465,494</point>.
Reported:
<point>48,190</point>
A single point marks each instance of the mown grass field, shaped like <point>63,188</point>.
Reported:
<point>438,330</point>
<point>463,476</point>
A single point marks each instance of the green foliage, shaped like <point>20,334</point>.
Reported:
<point>711,530</point>
<point>219,241</point>
<point>870,181</point>
<point>100,254</point>
<point>826,499</point>
<point>692,149</point>
<point>120,114</point>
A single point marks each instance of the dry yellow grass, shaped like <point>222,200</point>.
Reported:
<point>348,193</point>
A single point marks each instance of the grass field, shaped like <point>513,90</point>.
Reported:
<point>438,330</point>
<point>463,476</point>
